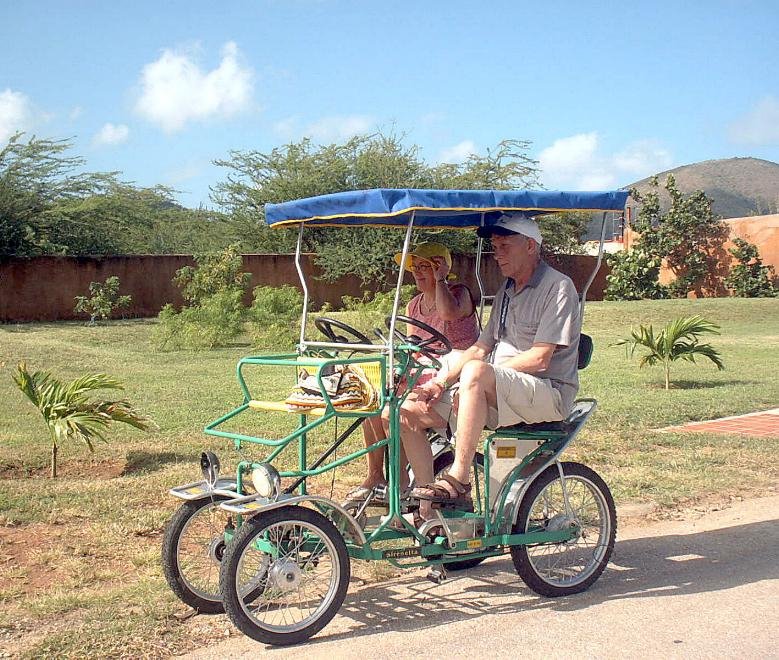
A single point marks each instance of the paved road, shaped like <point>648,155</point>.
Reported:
<point>697,588</point>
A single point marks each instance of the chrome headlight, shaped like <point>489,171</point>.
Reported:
<point>209,466</point>
<point>266,480</point>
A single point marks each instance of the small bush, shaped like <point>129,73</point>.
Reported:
<point>216,321</point>
<point>214,273</point>
<point>215,288</point>
<point>750,278</point>
<point>369,312</point>
<point>103,299</point>
<point>380,302</point>
<point>633,276</point>
<point>275,315</point>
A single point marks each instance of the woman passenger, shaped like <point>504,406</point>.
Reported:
<point>450,309</point>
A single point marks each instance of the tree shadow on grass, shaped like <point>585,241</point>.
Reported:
<point>143,462</point>
<point>703,385</point>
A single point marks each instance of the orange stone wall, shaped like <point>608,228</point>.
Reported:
<point>762,230</point>
<point>43,288</point>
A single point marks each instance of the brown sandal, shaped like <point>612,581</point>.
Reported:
<point>441,495</point>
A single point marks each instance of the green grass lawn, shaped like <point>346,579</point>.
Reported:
<point>80,555</point>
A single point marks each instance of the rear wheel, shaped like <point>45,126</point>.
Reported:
<point>302,561</point>
<point>561,569</point>
<point>192,549</point>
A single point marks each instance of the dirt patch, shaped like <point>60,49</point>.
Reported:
<point>94,470</point>
<point>37,556</point>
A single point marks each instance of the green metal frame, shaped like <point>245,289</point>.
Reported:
<point>492,542</point>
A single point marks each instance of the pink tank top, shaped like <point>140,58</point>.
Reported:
<point>462,333</point>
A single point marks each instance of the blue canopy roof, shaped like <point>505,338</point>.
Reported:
<point>387,207</point>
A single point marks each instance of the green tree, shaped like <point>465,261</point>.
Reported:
<point>678,340</point>
<point>36,177</point>
<point>70,414</point>
<point>750,278</point>
<point>304,169</point>
<point>633,276</point>
<point>47,206</point>
<point>685,235</point>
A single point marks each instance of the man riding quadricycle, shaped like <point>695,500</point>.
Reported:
<point>276,558</point>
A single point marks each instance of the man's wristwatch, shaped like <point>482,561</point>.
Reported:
<point>442,382</point>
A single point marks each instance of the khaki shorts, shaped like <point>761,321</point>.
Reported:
<point>521,398</point>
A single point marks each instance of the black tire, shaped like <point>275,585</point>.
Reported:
<point>191,566</point>
<point>286,574</point>
<point>443,462</point>
<point>572,566</point>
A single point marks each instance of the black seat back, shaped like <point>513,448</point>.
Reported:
<point>585,350</point>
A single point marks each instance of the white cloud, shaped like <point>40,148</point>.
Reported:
<point>287,128</point>
<point>327,129</point>
<point>760,125</point>
<point>16,113</point>
<point>184,173</point>
<point>111,134</point>
<point>457,153</point>
<point>174,90</point>
<point>578,163</point>
<point>334,129</point>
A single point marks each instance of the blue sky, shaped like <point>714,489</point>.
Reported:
<point>607,92</point>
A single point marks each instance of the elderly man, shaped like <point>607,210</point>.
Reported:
<point>521,369</point>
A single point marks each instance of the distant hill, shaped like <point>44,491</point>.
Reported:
<point>738,187</point>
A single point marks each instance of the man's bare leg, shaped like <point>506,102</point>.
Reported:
<point>415,419</point>
<point>477,394</point>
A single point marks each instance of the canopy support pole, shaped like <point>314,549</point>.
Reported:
<point>396,303</point>
<point>595,270</point>
<point>299,268</point>
<point>479,281</point>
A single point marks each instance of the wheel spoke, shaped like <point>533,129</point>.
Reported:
<point>196,550</point>
<point>301,579</point>
<point>571,562</point>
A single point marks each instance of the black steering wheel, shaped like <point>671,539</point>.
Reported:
<point>329,326</point>
<point>426,346</point>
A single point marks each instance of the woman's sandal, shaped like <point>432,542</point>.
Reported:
<point>357,496</point>
<point>361,493</point>
<point>440,494</point>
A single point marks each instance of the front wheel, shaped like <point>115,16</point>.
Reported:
<point>192,550</point>
<point>302,561</point>
<point>568,567</point>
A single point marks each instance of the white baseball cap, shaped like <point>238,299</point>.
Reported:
<point>512,223</point>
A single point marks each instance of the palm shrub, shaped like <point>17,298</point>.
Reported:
<point>70,414</point>
<point>679,339</point>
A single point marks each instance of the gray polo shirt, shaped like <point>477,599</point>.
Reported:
<point>545,310</point>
